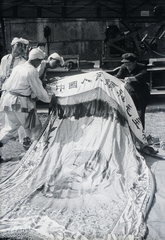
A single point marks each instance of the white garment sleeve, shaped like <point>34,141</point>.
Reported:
<point>3,66</point>
<point>41,68</point>
<point>0,69</point>
<point>37,88</point>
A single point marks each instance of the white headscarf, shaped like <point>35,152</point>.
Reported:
<point>16,40</point>
<point>24,41</point>
<point>36,53</point>
<point>19,40</point>
<point>57,56</point>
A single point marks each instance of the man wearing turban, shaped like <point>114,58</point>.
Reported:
<point>17,107</point>
<point>9,61</point>
<point>13,59</point>
<point>53,61</point>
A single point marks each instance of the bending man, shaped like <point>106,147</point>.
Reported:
<point>135,76</point>
<point>17,106</point>
<point>53,61</point>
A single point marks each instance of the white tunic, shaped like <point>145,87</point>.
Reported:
<point>24,81</point>
<point>6,64</point>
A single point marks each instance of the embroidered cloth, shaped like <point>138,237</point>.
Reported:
<point>83,178</point>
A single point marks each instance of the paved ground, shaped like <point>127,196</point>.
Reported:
<point>156,104</point>
<point>155,117</point>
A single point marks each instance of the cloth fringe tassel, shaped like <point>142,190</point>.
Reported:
<point>98,108</point>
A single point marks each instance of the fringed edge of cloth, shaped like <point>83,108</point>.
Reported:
<point>97,108</point>
<point>30,234</point>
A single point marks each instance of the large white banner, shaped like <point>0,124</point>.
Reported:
<point>100,85</point>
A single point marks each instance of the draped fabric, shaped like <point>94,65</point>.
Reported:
<point>84,178</point>
<point>99,85</point>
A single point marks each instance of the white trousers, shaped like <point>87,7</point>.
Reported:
<point>10,123</point>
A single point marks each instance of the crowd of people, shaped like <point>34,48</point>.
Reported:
<point>23,81</point>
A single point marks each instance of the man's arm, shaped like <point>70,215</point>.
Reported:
<point>37,88</point>
<point>3,66</point>
<point>121,73</point>
<point>141,75</point>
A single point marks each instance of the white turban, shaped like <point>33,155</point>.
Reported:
<point>16,40</point>
<point>36,53</point>
<point>24,41</point>
<point>57,56</point>
<point>19,40</point>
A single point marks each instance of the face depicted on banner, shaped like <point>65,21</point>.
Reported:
<point>80,176</point>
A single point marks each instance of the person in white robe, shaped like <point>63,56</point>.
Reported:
<point>13,59</point>
<point>53,61</point>
<point>17,105</point>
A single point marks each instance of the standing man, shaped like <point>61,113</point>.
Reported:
<point>13,59</point>
<point>135,77</point>
<point>17,106</point>
<point>26,48</point>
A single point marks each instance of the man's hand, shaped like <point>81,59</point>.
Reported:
<point>130,79</point>
<point>47,87</point>
<point>49,90</point>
